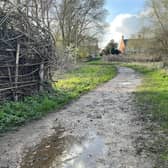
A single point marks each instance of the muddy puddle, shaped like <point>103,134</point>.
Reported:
<point>61,151</point>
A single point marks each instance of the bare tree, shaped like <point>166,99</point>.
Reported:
<point>79,19</point>
<point>159,26</point>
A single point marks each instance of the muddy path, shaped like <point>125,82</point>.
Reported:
<point>97,131</point>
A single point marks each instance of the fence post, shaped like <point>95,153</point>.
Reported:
<point>17,71</point>
<point>41,74</point>
<point>10,80</point>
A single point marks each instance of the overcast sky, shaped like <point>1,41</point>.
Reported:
<point>124,18</point>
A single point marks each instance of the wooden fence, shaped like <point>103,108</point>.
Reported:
<point>26,55</point>
<point>19,76</point>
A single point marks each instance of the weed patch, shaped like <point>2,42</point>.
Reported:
<point>73,85</point>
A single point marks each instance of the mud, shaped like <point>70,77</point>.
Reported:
<point>65,151</point>
<point>99,130</point>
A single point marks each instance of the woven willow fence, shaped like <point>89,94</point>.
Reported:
<point>26,54</point>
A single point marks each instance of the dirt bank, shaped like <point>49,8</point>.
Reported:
<point>97,131</point>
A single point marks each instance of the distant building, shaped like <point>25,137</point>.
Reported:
<point>89,47</point>
<point>122,45</point>
<point>134,45</point>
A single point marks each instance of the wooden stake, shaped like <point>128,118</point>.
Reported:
<point>10,81</point>
<point>41,74</point>
<point>17,71</point>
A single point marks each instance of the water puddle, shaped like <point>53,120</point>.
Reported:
<point>59,151</point>
<point>126,83</point>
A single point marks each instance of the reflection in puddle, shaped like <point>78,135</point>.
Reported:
<point>60,151</point>
<point>84,154</point>
<point>126,83</point>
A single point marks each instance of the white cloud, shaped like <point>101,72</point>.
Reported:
<point>123,24</point>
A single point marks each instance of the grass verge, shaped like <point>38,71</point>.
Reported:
<point>73,85</point>
<point>152,100</point>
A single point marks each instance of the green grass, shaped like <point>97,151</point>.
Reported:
<point>14,114</point>
<point>152,98</point>
<point>154,93</point>
<point>85,78</point>
<point>73,85</point>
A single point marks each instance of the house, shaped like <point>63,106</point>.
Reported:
<point>134,45</point>
<point>89,47</point>
<point>122,45</point>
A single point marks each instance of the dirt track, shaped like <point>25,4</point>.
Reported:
<point>97,131</point>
